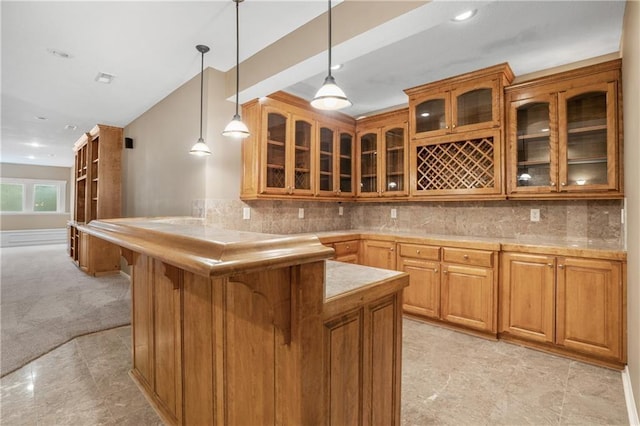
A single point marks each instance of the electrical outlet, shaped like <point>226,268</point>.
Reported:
<point>300,213</point>
<point>246,213</point>
<point>340,211</point>
<point>535,215</point>
<point>394,213</point>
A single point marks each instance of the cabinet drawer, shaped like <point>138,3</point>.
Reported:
<point>346,247</point>
<point>468,257</point>
<point>419,251</point>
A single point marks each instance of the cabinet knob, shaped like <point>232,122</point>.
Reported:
<point>564,184</point>
<point>465,257</point>
<point>445,272</point>
<point>550,265</point>
<point>446,127</point>
<point>391,249</point>
<point>435,270</point>
<point>552,184</point>
<point>561,266</point>
<point>454,126</point>
<point>347,247</point>
<point>418,251</point>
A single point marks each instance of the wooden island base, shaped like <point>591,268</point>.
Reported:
<point>248,329</point>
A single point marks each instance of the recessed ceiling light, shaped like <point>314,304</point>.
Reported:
<point>336,67</point>
<point>105,78</point>
<point>31,157</point>
<point>70,127</point>
<point>59,53</point>
<point>40,117</point>
<point>34,144</point>
<point>425,114</point>
<point>465,15</point>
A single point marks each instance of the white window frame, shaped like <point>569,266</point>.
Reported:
<point>28,194</point>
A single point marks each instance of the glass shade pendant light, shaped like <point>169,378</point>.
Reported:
<point>330,96</point>
<point>236,128</point>
<point>200,148</point>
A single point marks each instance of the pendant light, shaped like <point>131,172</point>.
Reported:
<point>236,128</point>
<point>200,148</point>
<point>330,96</point>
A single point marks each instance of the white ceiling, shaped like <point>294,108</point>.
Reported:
<point>150,47</point>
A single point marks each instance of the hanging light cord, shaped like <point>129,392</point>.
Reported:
<point>329,38</point>
<point>201,86</point>
<point>237,55</point>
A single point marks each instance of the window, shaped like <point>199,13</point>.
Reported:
<point>12,197</point>
<point>32,196</point>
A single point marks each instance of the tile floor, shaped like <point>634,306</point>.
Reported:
<point>449,378</point>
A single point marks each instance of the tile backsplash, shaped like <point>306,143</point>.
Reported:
<point>579,219</point>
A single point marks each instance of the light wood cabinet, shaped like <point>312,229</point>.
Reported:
<point>456,132</point>
<point>469,288</point>
<point>295,152</point>
<point>422,263</point>
<point>564,135</point>
<point>564,303</point>
<point>347,251</point>
<point>379,254</point>
<point>97,171</point>
<point>383,155</point>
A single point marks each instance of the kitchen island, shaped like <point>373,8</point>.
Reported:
<point>242,328</point>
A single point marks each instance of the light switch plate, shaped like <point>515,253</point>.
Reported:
<point>340,211</point>
<point>246,213</point>
<point>394,213</point>
<point>300,213</point>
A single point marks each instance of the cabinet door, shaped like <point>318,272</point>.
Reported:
<point>394,139</point>
<point>326,163</point>
<point>379,254</point>
<point>431,115</point>
<point>589,306</point>
<point>346,164</point>
<point>368,166</point>
<point>476,105</point>
<point>301,164</point>
<point>468,296</point>
<point>533,145</point>
<point>527,294</point>
<point>588,138</point>
<point>422,297</point>
<point>276,127</point>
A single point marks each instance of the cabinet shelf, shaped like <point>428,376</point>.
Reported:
<point>96,161</point>
<point>395,173</point>
<point>277,143</point>
<point>587,129</point>
<point>395,148</point>
<point>83,177</point>
<point>326,153</point>
<point>369,152</point>
<point>543,135</point>
<point>275,166</point>
<point>592,160</point>
<point>302,148</point>
<point>303,170</point>
<point>533,163</point>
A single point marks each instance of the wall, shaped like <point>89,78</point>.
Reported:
<point>160,177</point>
<point>36,221</point>
<point>631,87</point>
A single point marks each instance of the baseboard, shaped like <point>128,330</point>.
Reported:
<point>628,396</point>
<point>33,237</point>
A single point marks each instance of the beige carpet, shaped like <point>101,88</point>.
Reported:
<point>46,301</point>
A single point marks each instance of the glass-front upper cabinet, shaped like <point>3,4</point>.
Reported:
<point>395,161</point>
<point>303,141</point>
<point>587,135</point>
<point>276,128</point>
<point>563,135</point>
<point>345,164</point>
<point>288,153</point>
<point>464,103</point>
<point>368,153</point>
<point>533,138</point>
<point>326,172</point>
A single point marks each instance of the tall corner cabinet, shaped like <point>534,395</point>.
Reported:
<point>564,134</point>
<point>97,195</point>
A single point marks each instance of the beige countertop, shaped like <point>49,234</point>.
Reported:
<point>342,277</point>
<point>556,246</point>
